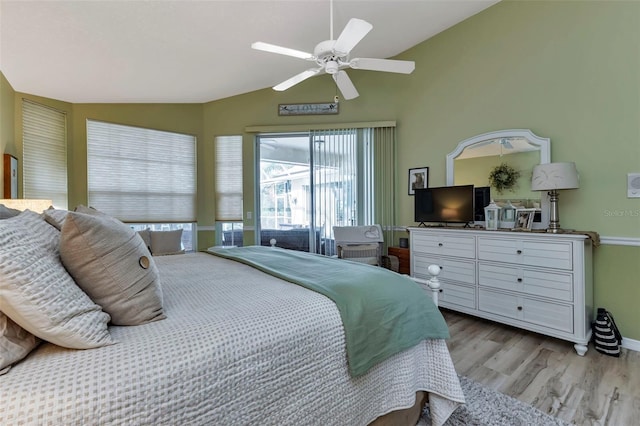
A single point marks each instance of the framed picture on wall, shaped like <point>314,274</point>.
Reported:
<point>418,179</point>
<point>10,176</point>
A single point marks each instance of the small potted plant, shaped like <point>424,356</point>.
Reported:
<point>503,177</point>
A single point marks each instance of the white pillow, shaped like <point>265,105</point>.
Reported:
<point>166,242</point>
<point>15,343</point>
<point>38,293</point>
<point>112,264</point>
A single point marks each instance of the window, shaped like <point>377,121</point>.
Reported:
<point>228,190</point>
<point>142,176</point>
<point>44,159</point>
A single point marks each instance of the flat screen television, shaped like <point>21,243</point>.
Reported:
<point>445,204</point>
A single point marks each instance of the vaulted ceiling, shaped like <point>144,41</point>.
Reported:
<point>192,51</point>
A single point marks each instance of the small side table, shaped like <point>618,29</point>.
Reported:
<point>403,256</point>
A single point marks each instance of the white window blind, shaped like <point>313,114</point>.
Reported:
<point>44,159</point>
<point>141,175</point>
<point>228,178</point>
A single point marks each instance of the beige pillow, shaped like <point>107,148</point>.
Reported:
<point>38,293</point>
<point>111,263</point>
<point>145,234</point>
<point>166,242</point>
<point>15,343</point>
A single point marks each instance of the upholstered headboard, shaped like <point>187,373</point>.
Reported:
<point>35,205</point>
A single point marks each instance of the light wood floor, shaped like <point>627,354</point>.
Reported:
<point>546,372</point>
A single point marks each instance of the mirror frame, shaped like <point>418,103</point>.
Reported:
<point>544,145</point>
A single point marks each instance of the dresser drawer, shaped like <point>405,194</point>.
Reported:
<point>557,255</point>
<point>554,285</point>
<point>451,269</point>
<point>446,245</point>
<point>541,313</point>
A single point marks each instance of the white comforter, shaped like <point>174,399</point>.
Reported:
<point>238,347</point>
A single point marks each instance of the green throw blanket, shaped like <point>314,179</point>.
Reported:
<point>383,313</point>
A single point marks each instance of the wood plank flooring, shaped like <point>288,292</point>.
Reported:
<point>546,372</point>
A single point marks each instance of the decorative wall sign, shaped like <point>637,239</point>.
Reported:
<point>308,109</point>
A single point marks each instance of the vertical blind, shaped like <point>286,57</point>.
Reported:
<point>141,175</point>
<point>44,159</point>
<point>335,180</point>
<point>380,181</point>
<point>228,178</point>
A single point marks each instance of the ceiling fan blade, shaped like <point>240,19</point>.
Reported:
<point>483,143</point>
<point>298,78</point>
<point>387,65</point>
<point>355,31</point>
<point>345,85</point>
<point>506,143</point>
<point>266,47</point>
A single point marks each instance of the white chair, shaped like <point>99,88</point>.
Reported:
<point>359,243</point>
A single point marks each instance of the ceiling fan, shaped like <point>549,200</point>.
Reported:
<point>332,56</point>
<point>504,142</point>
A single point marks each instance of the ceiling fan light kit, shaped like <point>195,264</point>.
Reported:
<point>332,56</point>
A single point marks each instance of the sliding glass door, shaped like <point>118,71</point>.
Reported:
<point>308,183</point>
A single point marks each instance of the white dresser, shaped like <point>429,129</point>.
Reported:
<point>535,281</point>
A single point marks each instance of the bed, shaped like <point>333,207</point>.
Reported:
<point>234,346</point>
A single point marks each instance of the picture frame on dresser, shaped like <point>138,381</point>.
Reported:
<point>524,219</point>
<point>418,179</point>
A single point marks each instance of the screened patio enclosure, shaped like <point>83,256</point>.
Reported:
<point>309,183</point>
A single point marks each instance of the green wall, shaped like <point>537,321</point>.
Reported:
<point>7,129</point>
<point>569,71</point>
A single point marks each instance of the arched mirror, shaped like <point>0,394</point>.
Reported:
<point>473,160</point>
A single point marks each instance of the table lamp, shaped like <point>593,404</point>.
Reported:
<point>552,177</point>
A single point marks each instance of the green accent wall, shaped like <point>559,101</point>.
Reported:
<point>7,128</point>
<point>567,70</point>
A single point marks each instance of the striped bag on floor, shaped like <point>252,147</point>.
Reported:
<point>606,337</point>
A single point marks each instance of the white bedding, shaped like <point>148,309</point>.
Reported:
<point>238,347</point>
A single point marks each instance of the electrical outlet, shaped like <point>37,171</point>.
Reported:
<point>633,185</point>
<point>249,215</point>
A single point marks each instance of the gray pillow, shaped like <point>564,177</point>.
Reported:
<point>38,293</point>
<point>7,212</point>
<point>55,217</point>
<point>15,343</point>
<point>166,242</point>
<point>112,264</point>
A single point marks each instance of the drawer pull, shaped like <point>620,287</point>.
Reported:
<point>439,244</point>
<point>519,251</point>
<point>441,290</point>
<point>519,308</point>
<point>519,280</point>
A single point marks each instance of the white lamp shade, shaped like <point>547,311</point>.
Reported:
<point>551,176</point>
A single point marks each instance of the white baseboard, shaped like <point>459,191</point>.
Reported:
<point>632,345</point>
